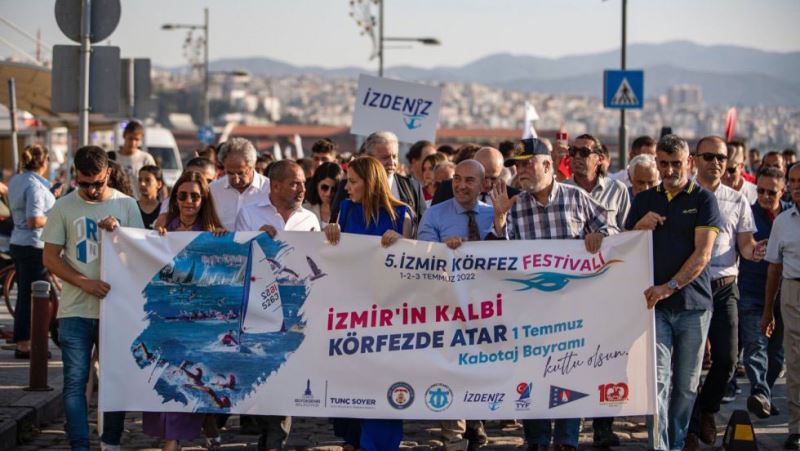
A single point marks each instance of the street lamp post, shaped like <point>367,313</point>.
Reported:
<point>204,27</point>
<point>382,39</point>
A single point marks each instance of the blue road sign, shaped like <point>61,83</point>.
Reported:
<point>206,134</point>
<point>623,89</point>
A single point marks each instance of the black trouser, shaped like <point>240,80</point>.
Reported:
<point>28,262</point>
<point>723,333</point>
<point>274,431</point>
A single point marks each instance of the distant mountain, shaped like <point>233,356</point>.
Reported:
<point>727,74</point>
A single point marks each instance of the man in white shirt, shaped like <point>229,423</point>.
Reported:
<point>282,209</point>
<point>736,234</point>
<point>641,145</point>
<point>241,185</point>
<point>733,174</point>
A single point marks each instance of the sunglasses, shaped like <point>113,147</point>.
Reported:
<point>96,185</point>
<point>731,171</point>
<point>584,152</point>
<point>768,192</point>
<point>714,156</point>
<point>326,188</point>
<point>183,195</point>
<point>675,164</point>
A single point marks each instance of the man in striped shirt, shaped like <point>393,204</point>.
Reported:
<point>546,209</point>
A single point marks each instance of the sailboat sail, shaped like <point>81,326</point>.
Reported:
<point>263,311</point>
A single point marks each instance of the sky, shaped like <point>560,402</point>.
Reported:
<point>321,32</point>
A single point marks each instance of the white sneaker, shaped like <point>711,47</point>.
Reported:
<point>107,447</point>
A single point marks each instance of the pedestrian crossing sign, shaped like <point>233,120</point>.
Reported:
<point>623,89</point>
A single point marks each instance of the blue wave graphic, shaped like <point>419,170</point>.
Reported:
<point>553,281</point>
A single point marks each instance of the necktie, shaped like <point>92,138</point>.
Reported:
<point>472,227</point>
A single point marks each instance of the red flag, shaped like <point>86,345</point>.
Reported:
<point>730,124</point>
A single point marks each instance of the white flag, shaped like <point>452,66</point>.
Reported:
<point>530,116</point>
<point>276,151</point>
<point>298,146</point>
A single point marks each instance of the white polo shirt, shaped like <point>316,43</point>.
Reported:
<point>784,243</point>
<point>749,192</point>
<point>738,218</point>
<point>228,201</point>
<point>253,216</point>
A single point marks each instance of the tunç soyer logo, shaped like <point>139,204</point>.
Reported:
<point>400,395</point>
<point>438,397</point>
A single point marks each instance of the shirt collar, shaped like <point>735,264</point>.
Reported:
<point>691,186</point>
<point>257,184</point>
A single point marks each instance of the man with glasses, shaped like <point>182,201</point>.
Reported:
<point>547,209</point>
<point>685,221</point>
<point>734,173</point>
<point>72,253</point>
<point>588,173</point>
<point>241,185</point>
<point>586,164</point>
<point>783,255</point>
<point>762,355</point>
<point>735,233</point>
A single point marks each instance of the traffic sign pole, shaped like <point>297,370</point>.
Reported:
<point>623,128</point>
<point>86,49</point>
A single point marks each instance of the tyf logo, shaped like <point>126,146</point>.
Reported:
<point>560,396</point>
<point>524,391</point>
<point>308,399</point>
<point>613,393</point>
<point>400,395</point>
<point>88,240</point>
<point>438,397</point>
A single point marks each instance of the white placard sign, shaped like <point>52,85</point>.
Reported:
<point>410,110</point>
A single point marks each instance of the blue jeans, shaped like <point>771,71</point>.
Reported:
<point>680,341</point>
<point>78,336</point>
<point>538,432</point>
<point>763,357</point>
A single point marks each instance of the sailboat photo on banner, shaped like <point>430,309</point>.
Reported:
<point>262,310</point>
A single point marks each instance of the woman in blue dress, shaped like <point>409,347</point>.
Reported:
<point>370,210</point>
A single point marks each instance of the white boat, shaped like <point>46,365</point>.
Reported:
<point>262,310</point>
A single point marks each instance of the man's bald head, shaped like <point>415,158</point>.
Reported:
<point>492,161</point>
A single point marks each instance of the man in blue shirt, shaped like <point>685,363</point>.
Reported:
<point>763,356</point>
<point>460,218</point>
<point>450,222</point>
<point>685,221</point>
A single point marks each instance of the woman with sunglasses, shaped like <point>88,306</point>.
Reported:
<point>321,191</point>
<point>370,210</point>
<point>191,208</point>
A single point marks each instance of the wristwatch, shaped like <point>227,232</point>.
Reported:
<point>672,284</point>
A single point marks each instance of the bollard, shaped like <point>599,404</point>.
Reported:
<point>739,435</point>
<point>40,300</point>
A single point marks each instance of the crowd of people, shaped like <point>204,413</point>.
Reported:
<point>726,254</point>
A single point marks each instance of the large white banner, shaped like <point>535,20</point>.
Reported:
<point>503,329</point>
<point>410,110</point>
